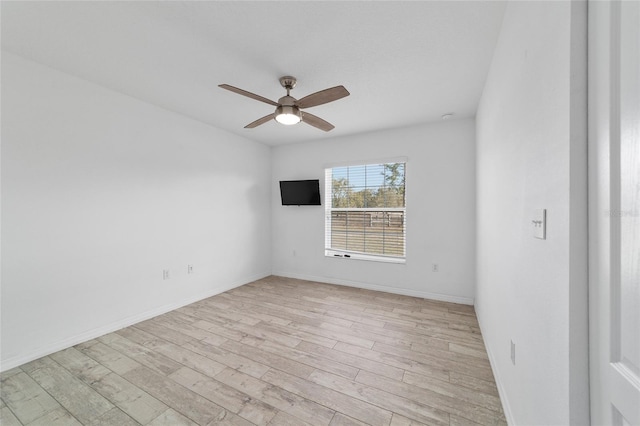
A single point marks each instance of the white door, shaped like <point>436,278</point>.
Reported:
<point>614,211</point>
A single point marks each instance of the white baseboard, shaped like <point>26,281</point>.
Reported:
<point>496,376</point>
<point>386,289</point>
<point>18,360</point>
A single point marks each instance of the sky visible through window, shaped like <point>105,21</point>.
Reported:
<point>370,175</point>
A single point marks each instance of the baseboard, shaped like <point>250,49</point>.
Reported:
<point>386,289</point>
<point>496,375</point>
<point>126,322</point>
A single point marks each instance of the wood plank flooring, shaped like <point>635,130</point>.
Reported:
<point>277,351</point>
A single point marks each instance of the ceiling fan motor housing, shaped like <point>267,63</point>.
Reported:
<point>287,112</point>
<point>287,100</point>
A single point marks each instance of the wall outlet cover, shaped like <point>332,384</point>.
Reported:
<point>539,223</point>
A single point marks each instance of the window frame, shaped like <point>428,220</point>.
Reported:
<point>338,253</point>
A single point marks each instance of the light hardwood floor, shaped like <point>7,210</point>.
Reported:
<point>276,351</point>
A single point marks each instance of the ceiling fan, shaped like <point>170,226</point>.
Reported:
<point>288,109</point>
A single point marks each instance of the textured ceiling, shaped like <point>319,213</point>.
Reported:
<point>404,63</point>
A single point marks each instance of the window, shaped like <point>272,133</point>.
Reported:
<point>365,214</point>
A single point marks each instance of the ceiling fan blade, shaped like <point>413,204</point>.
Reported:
<point>317,122</point>
<point>323,97</point>
<point>259,121</point>
<point>248,94</point>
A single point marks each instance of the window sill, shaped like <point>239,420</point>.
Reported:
<point>356,256</point>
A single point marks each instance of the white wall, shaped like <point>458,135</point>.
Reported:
<point>440,178</point>
<point>531,154</point>
<point>100,193</point>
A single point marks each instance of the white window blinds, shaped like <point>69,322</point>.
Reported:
<point>365,211</point>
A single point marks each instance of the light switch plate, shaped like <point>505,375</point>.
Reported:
<point>539,223</point>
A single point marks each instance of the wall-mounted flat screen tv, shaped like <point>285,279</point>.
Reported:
<point>300,192</point>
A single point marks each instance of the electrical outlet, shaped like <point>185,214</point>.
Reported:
<point>434,267</point>
<point>189,269</point>
<point>513,353</point>
<point>165,274</point>
<point>539,223</point>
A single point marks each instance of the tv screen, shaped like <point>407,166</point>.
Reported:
<point>300,192</point>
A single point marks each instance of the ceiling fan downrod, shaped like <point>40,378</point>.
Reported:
<point>288,82</point>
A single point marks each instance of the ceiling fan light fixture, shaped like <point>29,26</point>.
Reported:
<point>288,115</point>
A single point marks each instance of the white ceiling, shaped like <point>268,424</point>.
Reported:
<point>404,63</point>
